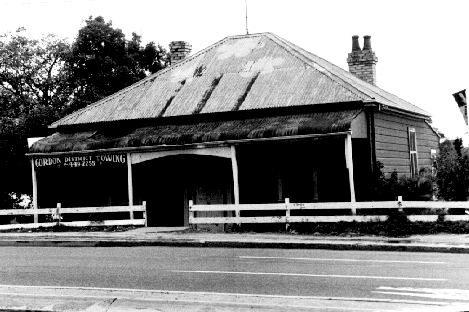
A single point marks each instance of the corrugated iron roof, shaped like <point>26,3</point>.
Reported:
<point>237,73</point>
<point>202,132</point>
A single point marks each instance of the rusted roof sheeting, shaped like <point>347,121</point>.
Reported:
<point>273,71</point>
<point>216,131</point>
<point>295,87</point>
<point>228,94</point>
<point>377,93</point>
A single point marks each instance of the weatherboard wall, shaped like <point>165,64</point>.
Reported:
<point>392,142</point>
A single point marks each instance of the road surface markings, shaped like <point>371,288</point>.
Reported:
<point>452,294</point>
<point>351,260</point>
<point>312,275</point>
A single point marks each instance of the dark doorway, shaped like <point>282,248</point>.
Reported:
<point>168,183</point>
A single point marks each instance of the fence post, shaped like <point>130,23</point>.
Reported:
<point>399,203</point>
<point>353,208</point>
<point>144,204</point>
<point>191,212</point>
<point>34,176</point>
<point>59,205</point>
<point>287,213</point>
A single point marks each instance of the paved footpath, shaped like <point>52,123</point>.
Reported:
<point>48,299</point>
<point>451,243</point>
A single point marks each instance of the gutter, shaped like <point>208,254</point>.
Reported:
<point>384,107</point>
<point>403,112</point>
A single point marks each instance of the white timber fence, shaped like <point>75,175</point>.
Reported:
<point>56,215</point>
<point>432,209</point>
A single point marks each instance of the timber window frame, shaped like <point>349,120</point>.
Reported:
<point>413,154</point>
<point>433,159</point>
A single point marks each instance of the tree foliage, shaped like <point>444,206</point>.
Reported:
<point>33,85</point>
<point>42,80</point>
<point>453,171</point>
<point>458,146</point>
<point>33,91</point>
<point>102,62</point>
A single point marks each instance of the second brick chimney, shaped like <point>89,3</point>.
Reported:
<point>362,63</point>
<point>179,50</point>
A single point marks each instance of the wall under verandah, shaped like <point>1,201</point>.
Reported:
<point>168,183</point>
<point>87,186</point>
<point>305,171</point>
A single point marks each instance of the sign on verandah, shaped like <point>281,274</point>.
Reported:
<point>80,161</point>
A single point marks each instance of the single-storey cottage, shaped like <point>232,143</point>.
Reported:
<point>250,119</point>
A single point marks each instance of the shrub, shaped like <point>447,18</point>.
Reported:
<point>452,173</point>
<point>397,224</point>
<point>418,188</point>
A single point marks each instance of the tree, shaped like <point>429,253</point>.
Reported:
<point>102,61</point>
<point>32,79</point>
<point>452,172</point>
<point>42,80</point>
<point>458,145</point>
<point>33,91</point>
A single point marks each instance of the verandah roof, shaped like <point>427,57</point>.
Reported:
<point>203,132</point>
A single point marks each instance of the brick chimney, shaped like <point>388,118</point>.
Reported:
<point>179,50</point>
<point>362,63</point>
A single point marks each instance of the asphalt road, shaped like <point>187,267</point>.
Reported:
<point>319,273</point>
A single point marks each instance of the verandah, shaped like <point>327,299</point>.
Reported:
<point>306,170</point>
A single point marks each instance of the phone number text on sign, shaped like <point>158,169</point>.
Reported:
<point>75,164</point>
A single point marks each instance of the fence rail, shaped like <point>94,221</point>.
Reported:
<point>288,207</point>
<point>56,214</point>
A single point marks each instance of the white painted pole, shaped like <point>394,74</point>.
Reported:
<point>287,213</point>
<point>130,184</point>
<point>145,216</point>
<point>349,164</point>
<point>33,170</point>
<point>191,212</point>
<point>59,205</point>
<point>234,165</point>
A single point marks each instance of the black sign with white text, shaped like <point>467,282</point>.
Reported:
<point>80,161</point>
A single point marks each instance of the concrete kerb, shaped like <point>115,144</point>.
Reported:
<point>363,245</point>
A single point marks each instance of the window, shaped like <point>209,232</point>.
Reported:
<point>414,169</point>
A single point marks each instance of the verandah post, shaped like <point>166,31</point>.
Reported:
<point>33,170</point>
<point>234,165</point>
<point>349,165</point>
<point>59,205</point>
<point>130,185</point>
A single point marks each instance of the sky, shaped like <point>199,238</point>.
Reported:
<point>422,46</point>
